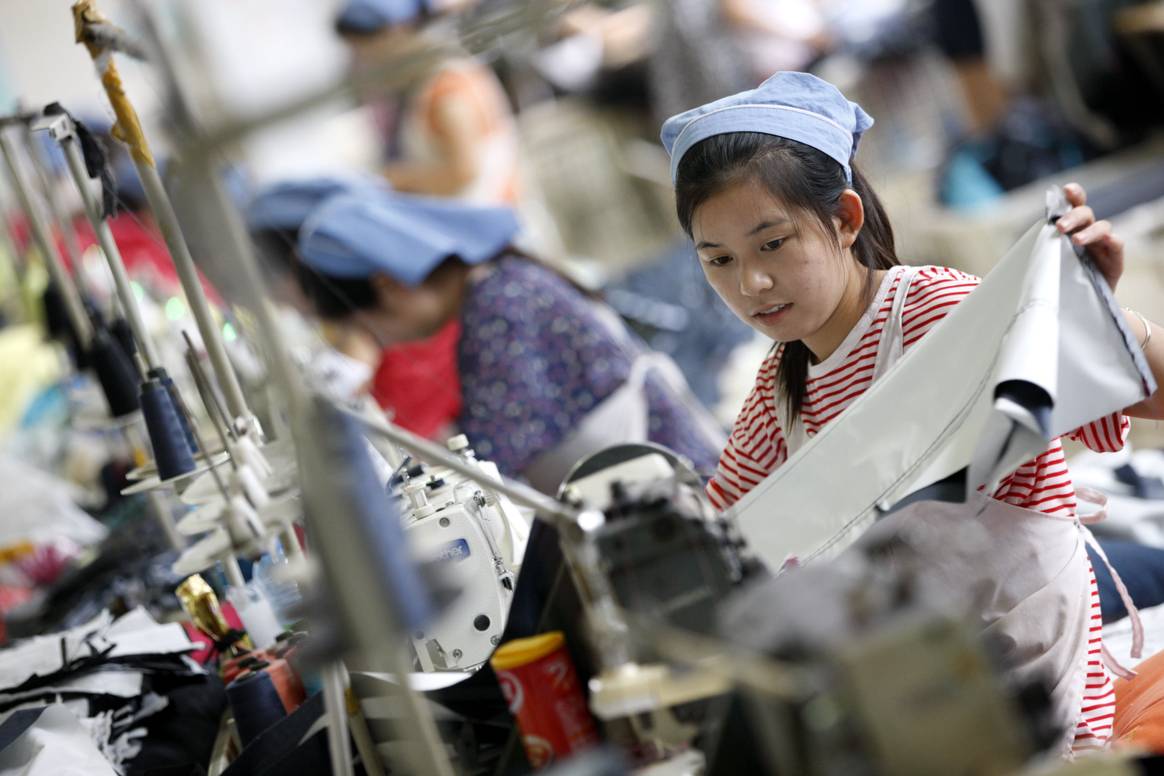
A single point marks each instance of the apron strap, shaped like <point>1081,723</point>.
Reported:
<point>1117,668</point>
<point>890,348</point>
<point>892,345</point>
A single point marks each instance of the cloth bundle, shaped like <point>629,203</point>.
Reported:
<point>79,698</point>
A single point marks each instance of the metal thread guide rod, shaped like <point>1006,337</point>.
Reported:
<point>62,129</point>
<point>41,232</point>
<point>37,154</point>
<point>14,267</point>
<point>99,37</point>
<point>376,633</point>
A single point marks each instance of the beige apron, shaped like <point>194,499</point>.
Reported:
<point>622,417</point>
<point>1025,577</point>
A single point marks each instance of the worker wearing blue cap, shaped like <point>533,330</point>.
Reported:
<point>450,133</point>
<point>274,216</point>
<point>794,240</point>
<point>548,375</point>
<point>415,382</point>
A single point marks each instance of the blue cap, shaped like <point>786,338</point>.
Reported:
<point>371,16</point>
<point>797,106</point>
<point>403,236</point>
<point>286,204</point>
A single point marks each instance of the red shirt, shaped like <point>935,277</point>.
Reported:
<point>419,384</point>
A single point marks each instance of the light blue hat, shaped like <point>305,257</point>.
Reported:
<point>370,16</point>
<point>286,204</point>
<point>797,106</point>
<point>403,236</point>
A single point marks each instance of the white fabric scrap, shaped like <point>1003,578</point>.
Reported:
<point>118,683</point>
<point>37,508</point>
<point>135,633</point>
<point>57,744</point>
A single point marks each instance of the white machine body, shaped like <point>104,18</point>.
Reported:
<point>477,537</point>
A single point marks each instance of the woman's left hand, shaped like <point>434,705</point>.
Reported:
<point>1104,248</point>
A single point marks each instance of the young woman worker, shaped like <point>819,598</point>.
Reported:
<point>797,244</point>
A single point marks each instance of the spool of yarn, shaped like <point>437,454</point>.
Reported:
<point>171,453</point>
<point>115,372</point>
<point>287,682</point>
<point>255,703</point>
<point>292,651</point>
<point>123,335</point>
<point>160,373</point>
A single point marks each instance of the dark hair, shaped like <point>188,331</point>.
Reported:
<point>803,178</point>
<point>334,298</point>
<point>276,251</point>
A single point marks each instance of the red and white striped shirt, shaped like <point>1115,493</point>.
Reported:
<point>757,445</point>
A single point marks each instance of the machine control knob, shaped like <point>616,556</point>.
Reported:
<point>458,443</point>
<point>481,622</point>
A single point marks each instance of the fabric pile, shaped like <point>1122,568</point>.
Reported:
<point>104,681</point>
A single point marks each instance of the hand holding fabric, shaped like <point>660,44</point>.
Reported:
<point>1105,249</point>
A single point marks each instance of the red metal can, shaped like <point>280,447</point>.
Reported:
<point>541,687</point>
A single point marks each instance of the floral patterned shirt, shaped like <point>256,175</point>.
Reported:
<point>535,358</point>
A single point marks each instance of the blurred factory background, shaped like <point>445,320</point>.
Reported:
<point>552,109</point>
<point>978,105</point>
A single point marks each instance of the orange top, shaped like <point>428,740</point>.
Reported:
<point>521,652</point>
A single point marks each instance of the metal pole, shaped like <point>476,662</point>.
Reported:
<point>74,308</point>
<point>159,505</point>
<point>336,710</point>
<point>40,163</point>
<point>161,510</point>
<point>8,242</point>
<point>377,633</point>
<point>192,285</point>
<point>548,508</point>
<point>128,130</point>
<point>67,138</point>
<point>15,266</point>
<point>379,639</point>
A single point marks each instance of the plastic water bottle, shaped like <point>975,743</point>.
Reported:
<point>283,594</point>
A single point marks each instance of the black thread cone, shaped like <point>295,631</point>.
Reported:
<point>115,372</point>
<point>160,373</point>
<point>60,327</point>
<point>171,453</point>
<point>123,334</point>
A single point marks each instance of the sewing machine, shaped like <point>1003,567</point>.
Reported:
<point>474,538</point>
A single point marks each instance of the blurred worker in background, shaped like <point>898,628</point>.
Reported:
<point>449,134</point>
<point>416,382</point>
<point>548,374</point>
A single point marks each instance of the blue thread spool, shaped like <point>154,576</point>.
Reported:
<point>375,516</point>
<point>160,373</point>
<point>115,372</point>
<point>255,702</point>
<point>171,453</point>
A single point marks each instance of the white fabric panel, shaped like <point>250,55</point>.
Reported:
<point>57,744</point>
<point>1036,317</point>
<point>134,633</point>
